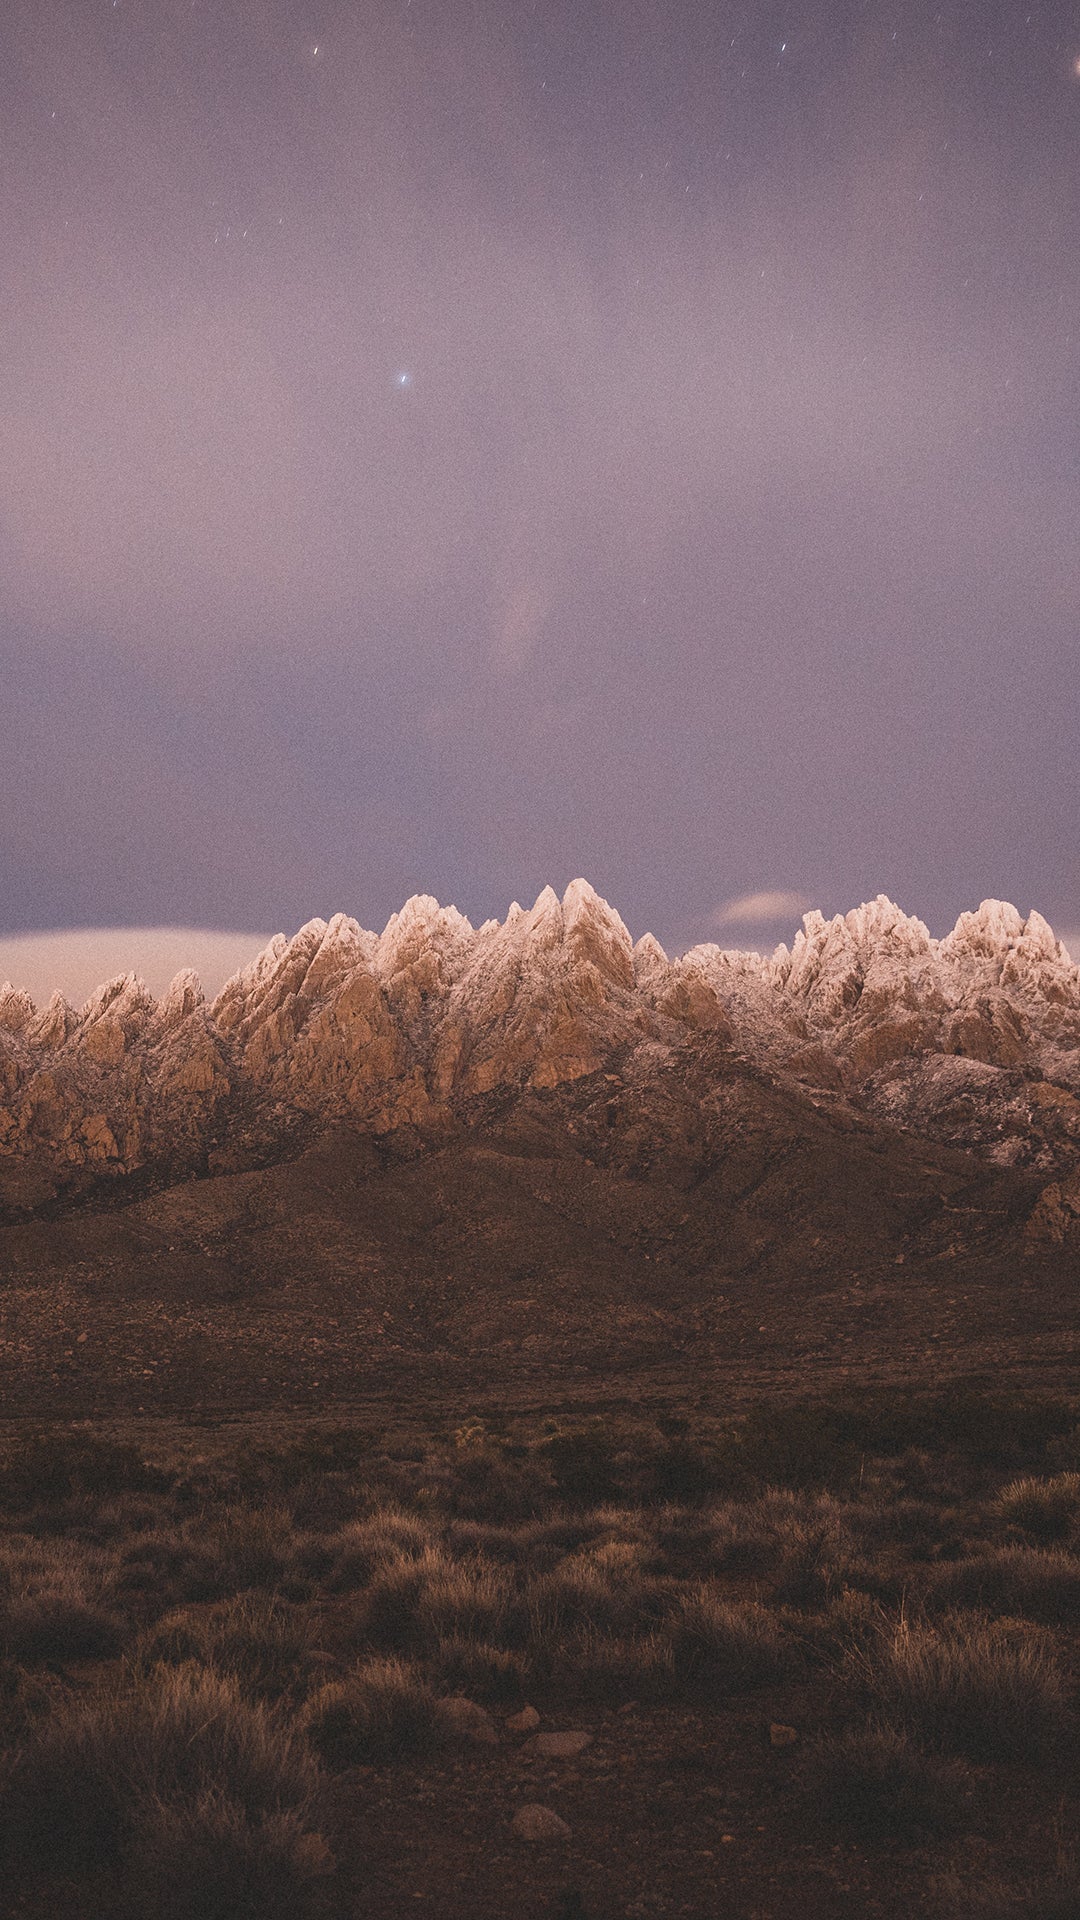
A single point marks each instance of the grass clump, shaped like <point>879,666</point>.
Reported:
<point>989,1690</point>
<point>720,1647</point>
<point>260,1641</point>
<point>382,1710</point>
<point>1040,1585</point>
<point>1045,1509</point>
<point>91,1774</point>
<point>875,1782</point>
<point>208,1860</point>
<point>476,1668</point>
<point>49,1627</point>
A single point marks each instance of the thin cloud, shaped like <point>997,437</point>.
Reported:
<point>750,909</point>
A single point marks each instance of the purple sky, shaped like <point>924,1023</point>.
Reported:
<point>453,447</point>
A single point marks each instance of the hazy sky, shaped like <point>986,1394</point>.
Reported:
<point>452,447</point>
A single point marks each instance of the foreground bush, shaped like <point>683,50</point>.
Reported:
<point>90,1775</point>
<point>879,1785</point>
<point>208,1860</point>
<point>989,1690</point>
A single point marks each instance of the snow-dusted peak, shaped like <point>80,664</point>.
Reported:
<point>422,930</point>
<point>243,984</point>
<point>343,946</point>
<point>991,930</point>
<point>16,1008</point>
<point>1041,941</point>
<point>123,998</point>
<point>650,962</point>
<point>181,998</point>
<point>51,1027</point>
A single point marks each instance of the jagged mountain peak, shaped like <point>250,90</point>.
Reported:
<point>181,998</point>
<point>16,1008</point>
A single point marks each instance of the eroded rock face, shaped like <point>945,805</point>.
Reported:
<point>973,1039</point>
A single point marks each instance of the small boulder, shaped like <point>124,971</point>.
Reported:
<point>561,1746</point>
<point>781,1736</point>
<point>526,1721</point>
<point>538,1823</point>
<point>466,1720</point>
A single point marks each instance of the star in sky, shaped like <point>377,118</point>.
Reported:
<point>403,379</point>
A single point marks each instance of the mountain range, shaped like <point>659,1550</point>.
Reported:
<point>537,1149</point>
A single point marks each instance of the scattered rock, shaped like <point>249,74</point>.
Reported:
<point>561,1746</point>
<point>781,1736</point>
<point>467,1720</point>
<point>538,1823</point>
<point>524,1722</point>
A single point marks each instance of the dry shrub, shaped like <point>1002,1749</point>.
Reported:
<point>250,1547</point>
<point>479,1670</point>
<point>615,1670</point>
<point>850,1624</point>
<point>59,1626</point>
<point>207,1860</point>
<point>878,1784</point>
<point>916,1524</point>
<point>387,1537</point>
<point>167,1567</point>
<point>469,1598</point>
<point>257,1638</point>
<point>24,1698</point>
<point>391,1612</point>
<point>54,1606</point>
<point>723,1646</point>
<point>1046,1509</point>
<point>480,1538</point>
<point>1043,1586</point>
<point>605,1587</point>
<point>991,1690</point>
<point>91,1773</point>
<point>382,1710</point>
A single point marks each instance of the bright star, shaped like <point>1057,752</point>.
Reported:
<point>404,380</point>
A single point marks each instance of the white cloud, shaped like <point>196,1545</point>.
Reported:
<point>752,908</point>
<point>80,959</point>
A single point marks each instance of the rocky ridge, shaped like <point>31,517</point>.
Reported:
<point>972,1040</point>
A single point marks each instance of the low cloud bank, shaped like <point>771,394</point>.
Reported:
<point>78,960</point>
<point>750,909</point>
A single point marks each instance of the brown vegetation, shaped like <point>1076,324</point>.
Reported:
<point>211,1661</point>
